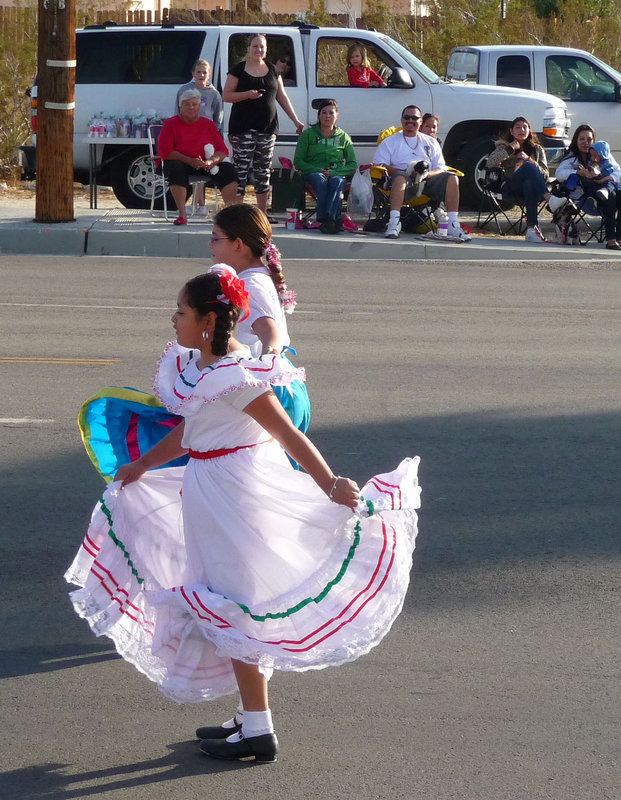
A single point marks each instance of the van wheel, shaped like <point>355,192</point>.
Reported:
<point>472,158</point>
<point>132,180</point>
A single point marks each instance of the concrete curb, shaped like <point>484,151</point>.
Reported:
<point>24,236</point>
<point>122,232</point>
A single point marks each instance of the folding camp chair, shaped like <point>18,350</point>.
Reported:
<point>159,183</point>
<point>416,212</point>
<point>581,216</point>
<point>496,208</point>
<point>307,218</point>
<point>589,222</point>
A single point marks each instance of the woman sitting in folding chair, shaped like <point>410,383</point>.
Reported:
<point>325,156</point>
<point>574,170</point>
<point>524,163</point>
<point>181,146</point>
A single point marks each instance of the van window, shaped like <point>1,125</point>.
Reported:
<point>463,67</point>
<point>513,71</point>
<point>578,80</point>
<point>332,60</point>
<point>277,47</point>
<point>152,56</point>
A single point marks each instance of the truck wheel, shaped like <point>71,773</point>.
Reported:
<point>472,157</point>
<point>132,180</point>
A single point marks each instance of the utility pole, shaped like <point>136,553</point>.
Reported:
<point>56,101</point>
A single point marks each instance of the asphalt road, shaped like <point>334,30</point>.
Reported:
<point>500,680</point>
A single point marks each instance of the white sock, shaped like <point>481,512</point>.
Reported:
<point>453,218</point>
<point>394,214</point>
<point>236,719</point>
<point>256,723</point>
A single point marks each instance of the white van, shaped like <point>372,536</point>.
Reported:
<point>122,68</point>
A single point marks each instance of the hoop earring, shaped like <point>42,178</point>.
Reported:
<point>205,336</point>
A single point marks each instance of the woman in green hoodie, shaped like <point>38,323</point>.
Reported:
<point>325,155</point>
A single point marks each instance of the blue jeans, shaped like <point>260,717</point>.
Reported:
<point>329,194</point>
<point>529,187</point>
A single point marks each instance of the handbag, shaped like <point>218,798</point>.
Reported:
<point>288,190</point>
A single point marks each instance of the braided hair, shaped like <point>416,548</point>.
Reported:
<point>202,294</point>
<point>250,224</point>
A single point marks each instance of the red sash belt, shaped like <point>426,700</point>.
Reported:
<point>225,451</point>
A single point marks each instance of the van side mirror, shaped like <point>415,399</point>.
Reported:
<point>617,92</point>
<point>400,79</point>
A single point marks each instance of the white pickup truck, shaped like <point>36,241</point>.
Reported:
<point>120,68</point>
<point>591,88</point>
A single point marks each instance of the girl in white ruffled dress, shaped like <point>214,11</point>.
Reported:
<point>210,576</point>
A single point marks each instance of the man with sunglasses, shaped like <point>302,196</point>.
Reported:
<point>397,152</point>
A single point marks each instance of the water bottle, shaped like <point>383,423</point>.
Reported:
<point>442,219</point>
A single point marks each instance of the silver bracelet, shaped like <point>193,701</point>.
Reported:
<point>336,480</point>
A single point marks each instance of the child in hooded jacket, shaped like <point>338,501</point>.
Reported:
<point>602,162</point>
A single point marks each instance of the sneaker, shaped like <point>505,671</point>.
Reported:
<point>535,235</point>
<point>328,226</point>
<point>394,228</point>
<point>601,195</point>
<point>458,232</point>
<point>201,211</point>
<point>555,203</point>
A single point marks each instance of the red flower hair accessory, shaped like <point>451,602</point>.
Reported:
<point>234,292</point>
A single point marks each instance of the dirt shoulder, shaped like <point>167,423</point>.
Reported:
<point>23,195</point>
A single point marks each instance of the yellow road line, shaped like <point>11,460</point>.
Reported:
<point>42,360</point>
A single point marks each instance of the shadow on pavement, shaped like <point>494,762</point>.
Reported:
<point>54,781</point>
<point>500,493</point>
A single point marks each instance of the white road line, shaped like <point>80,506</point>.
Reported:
<point>73,305</point>
<point>24,421</point>
<point>166,309</point>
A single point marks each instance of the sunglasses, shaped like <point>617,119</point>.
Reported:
<point>411,117</point>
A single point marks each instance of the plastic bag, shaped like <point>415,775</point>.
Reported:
<point>360,200</point>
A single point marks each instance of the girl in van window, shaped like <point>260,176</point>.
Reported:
<point>359,70</point>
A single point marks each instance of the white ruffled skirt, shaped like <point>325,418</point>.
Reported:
<point>256,564</point>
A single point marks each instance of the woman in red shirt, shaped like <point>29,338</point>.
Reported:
<point>181,146</point>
